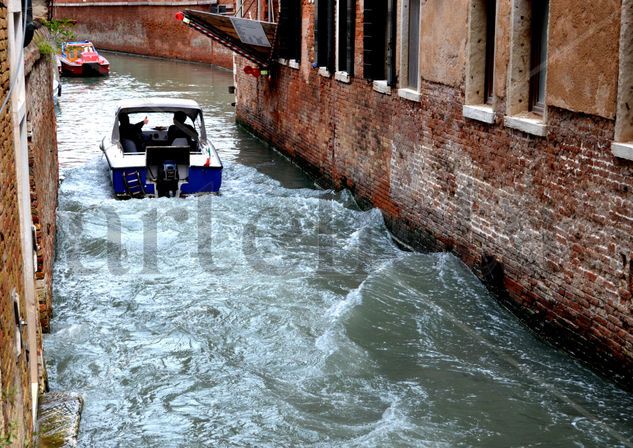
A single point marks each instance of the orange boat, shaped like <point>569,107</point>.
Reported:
<point>81,59</point>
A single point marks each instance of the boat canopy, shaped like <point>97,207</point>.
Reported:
<point>159,105</point>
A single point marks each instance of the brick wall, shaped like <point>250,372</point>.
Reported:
<point>44,173</point>
<point>15,406</point>
<point>546,222</point>
<point>144,30</point>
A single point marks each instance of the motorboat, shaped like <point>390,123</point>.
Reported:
<point>166,153</point>
<point>81,59</point>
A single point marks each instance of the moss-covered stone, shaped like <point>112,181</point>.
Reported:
<point>60,414</point>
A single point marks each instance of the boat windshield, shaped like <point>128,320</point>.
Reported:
<point>75,51</point>
<point>164,128</point>
<point>161,121</point>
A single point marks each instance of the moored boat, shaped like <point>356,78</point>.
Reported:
<point>159,147</point>
<point>81,59</point>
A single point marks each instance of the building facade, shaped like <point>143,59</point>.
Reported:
<point>147,27</point>
<point>28,198</point>
<point>499,130</point>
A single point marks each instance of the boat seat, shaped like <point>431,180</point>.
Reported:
<point>181,141</point>
<point>128,145</point>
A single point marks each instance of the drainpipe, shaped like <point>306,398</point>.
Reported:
<point>29,30</point>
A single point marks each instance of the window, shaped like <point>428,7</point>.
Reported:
<point>489,70</point>
<point>528,67</point>
<point>346,16</point>
<point>379,27</point>
<point>481,61</point>
<point>410,56</point>
<point>538,56</point>
<point>325,34</point>
<point>623,145</point>
<point>290,30</point>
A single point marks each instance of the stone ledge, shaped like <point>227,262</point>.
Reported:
<point>622,150</point>
<point>479,112</point>
<point>342,77</point>
<point>529,125</point>
<point>59,418</point>
<point>323,71</point>
<point>293,63</point>
<point>382,87</point>
<point>409,94</point>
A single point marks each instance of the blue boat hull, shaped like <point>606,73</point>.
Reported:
<point>201,180</point>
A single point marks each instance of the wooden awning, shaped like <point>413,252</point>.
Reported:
<point>252,39</point>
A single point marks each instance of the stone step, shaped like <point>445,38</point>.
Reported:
<point>59,417</point>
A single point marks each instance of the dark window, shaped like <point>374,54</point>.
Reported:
<point>325,34</point>
<point>491,14</point>
<point>538,59</point>
<point>414,44</point>
<point>379,28</point>
<point>290,30</point>
<point>346,35</point>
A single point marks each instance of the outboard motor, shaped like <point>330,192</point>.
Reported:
<point>167,182</point>
<point>167,168</point>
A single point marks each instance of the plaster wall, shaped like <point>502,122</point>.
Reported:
<point>582,58</point>
<point>444,33</point>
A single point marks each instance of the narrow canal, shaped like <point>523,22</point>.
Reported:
<point>278,314</point>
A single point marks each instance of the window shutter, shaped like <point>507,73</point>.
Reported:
<point>324,30</point>
<point>285,30</point>
<point>331,53</point>
<point>369,35</point>
<point>351,35</point>
<point>391,42</point>
<point>296,39</point>
<point>319,34</point>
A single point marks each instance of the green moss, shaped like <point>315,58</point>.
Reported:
<point>61,30</point>
<point>46,49</point>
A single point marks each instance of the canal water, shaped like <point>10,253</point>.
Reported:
<point>278,314</point>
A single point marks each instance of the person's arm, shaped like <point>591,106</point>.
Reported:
<point>140,124</point>
<point>193,135</point>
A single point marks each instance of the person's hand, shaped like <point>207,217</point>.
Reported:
<point>146,120</point>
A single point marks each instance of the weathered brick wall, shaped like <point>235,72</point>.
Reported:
<point>15,405</point>
<point>44,173</point>
<point>144,30</point>
<point>547,222</point>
